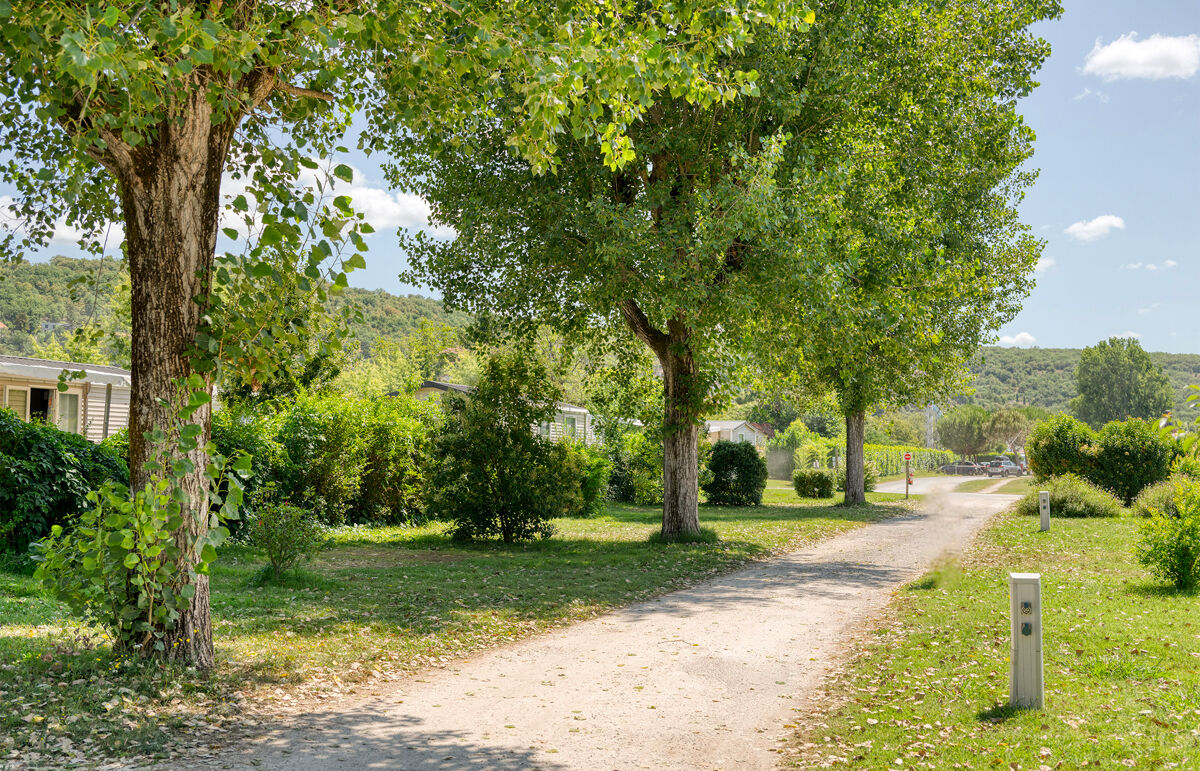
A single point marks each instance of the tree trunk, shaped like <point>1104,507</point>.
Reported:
<point>170,197</point>
<point>856,428</point>
<point>681,416</point>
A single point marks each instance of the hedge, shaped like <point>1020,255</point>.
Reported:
<point>889,459</point>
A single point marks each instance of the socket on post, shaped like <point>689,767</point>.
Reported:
<point>1025,656</point>
<point>1044,506</point>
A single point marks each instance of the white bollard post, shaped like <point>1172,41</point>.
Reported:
<point>1025,657</point>
<point>1044,505</point>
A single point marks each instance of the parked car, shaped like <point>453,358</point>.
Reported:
<point>963,468</point>
<point>1003,468</point>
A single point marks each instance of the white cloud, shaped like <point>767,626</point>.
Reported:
<point>1019,339</point>
<point>1096,228</point>
<point>1167,265</point>
<point>1100,96</point>
<point>383,209</point>
<point>1044,264</point>
<point>64,234</point>
<point>1134,335</point>
<point>1156,57</point>
<point>1149,308</point>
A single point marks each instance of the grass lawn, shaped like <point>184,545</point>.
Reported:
<point>929,688</point>
<point>379,602</point>
<point>1015,486</point>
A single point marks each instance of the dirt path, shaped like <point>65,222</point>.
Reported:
<point>704,678</point>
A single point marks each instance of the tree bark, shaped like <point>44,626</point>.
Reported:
<point>681,415</point>
<point>856,429</point>
<point>170,197</point>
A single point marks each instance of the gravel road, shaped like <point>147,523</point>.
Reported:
<point>704,678</point>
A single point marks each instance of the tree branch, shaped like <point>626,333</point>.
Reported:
<point>288,88</point>
<point>641,326</point>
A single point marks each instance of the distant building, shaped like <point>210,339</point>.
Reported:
<point>50,326</point>
<point>95,406</point>
<point>737,431</point>
<point>570,420</point>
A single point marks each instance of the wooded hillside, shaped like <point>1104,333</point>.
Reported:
<point>1045,377</point>
<point>72,292</point>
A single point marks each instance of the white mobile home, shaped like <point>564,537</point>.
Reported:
<point>570,421</point>
<point>736,431</point>
<point>95,406</point>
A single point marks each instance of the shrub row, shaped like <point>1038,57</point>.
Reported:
<point>45,475</point>
<point>1125,457</point>
<point>889,459</point>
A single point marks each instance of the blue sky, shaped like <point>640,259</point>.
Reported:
<point>1118,196</point>
<point>1117,200</point>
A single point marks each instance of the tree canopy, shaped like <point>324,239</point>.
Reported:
<point>1116,380</point>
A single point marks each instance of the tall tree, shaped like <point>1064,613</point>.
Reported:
<point>926,257</point>
<point>145,107</point>
<point>1008,427</point>
<point>1116,379</point>
<point>963,430</point>
<point>715,234</point>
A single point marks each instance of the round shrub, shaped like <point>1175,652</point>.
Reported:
<point>1159,496</point>
<point>1071,496</point>
<point>1060,445</point>
<point>1170,545</point>
<point>813,482</point>
<point>870,477</point>
<point>739,475</point>
<point>1132,455</point>
<point>286,534</point>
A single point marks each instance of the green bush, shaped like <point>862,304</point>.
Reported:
<point>118,444</point>
<point>813,482</point>
<point>396,432</point>
<point>814,452</point>
<point>243,430</point>
<point>493,475</point>
<point>1132,455</point>
<point>870,477</point>
<point>1170,545</point>
<point>739,475</point>
<point>1187,466</point>
<point>593,470</point>
<point>45,476</point>
<point>285,533</point>
<point>637,468</point>
<point>326,453</point>
<point>1071,496</point>
<point>1159,496</point>
<point>1060,445</point>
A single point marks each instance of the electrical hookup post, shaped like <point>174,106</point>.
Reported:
<point>908,477</point>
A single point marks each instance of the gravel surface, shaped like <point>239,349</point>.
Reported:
<point>704,678</point>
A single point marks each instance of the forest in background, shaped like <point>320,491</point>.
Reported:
<point>73,292</point>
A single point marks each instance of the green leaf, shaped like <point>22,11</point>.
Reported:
<point>343,172</point>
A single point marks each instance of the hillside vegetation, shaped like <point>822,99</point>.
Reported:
<point>1045,377</point>
<point>72,292</point>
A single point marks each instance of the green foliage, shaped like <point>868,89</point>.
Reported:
<point>889,459</point>
<point>492,474</point>
<point>118,444</point>
<point>324,447</point>
<point>1158,497</point>
<point>45,476</point>
<point>1116,380</point>
<point>815,453</point>
<point>117,563</point>
<point>1132,454</point>
<point>594,470</point>
<point>870,477</point>
<point>1071,496</point>
<point>285,533</point>
<point>1186,465</point>
<point>1045,378</point>
<point>1007,427</point>
<point>396,433</point>
<point>1060,445</point>
<point>637,468</point>
<point>813,482</point>
<point>1170,542</point>
<point>963,430</point>
<point>738,475</point>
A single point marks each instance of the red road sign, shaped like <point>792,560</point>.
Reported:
<point>908,456</point>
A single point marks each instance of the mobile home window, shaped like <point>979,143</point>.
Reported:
<point>544,429</point>
<point>741,436</point>
<point>569,425</point>
<point>68,413</point>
